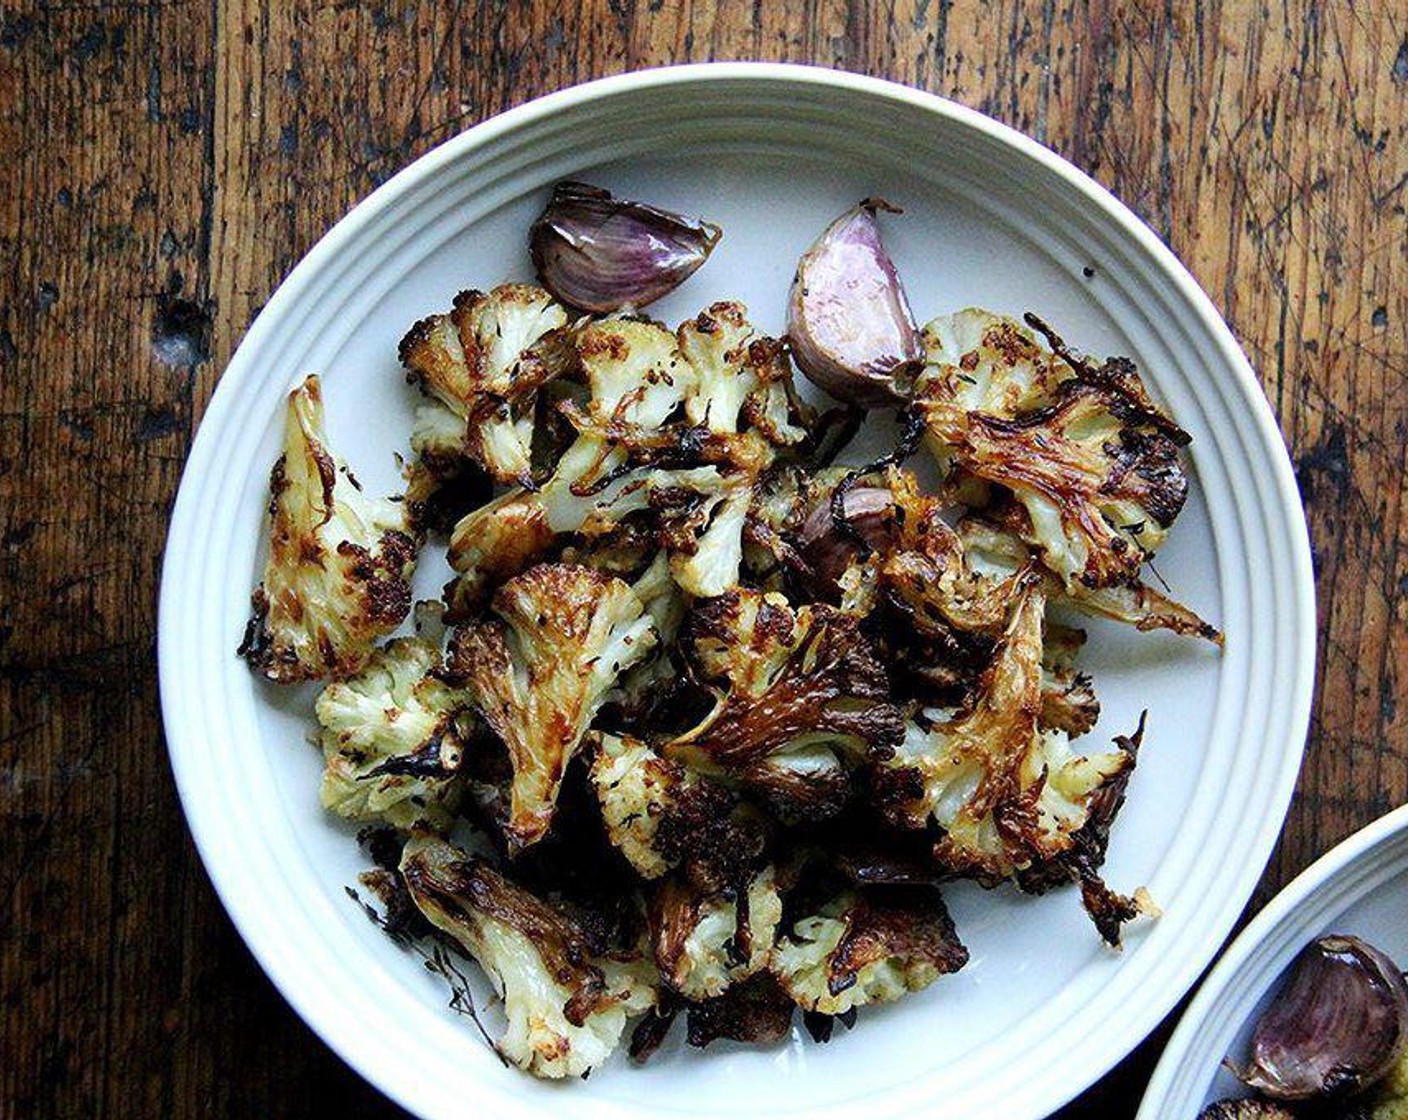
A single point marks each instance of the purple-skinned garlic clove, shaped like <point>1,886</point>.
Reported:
<point>1337,1026</point>
<point>601,253</point>
<point>829,548</point>
<point>848,319</point>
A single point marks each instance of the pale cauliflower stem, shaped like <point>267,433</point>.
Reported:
<point>391,739</point>
<point>705,941</point>
<point>567,1002</point>
<point>340,562</point>
<point>481,366</point>
<point>1081,448</point>
<point>995,550</point>
<point>1006,792</point>
<point>863,948</point>
<point>805,695</point>
<point>563,637</point>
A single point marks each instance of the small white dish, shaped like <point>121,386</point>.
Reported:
<point>1359,887</point>
<point>772,153</point>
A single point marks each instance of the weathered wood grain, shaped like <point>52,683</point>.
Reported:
<point>165,164</point>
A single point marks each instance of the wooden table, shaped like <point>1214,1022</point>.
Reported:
<point>166,163</point>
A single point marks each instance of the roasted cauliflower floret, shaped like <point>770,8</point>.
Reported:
<point>995,550</point>
<point>637,380</point>
<point>977,361</point>
<point>650,805</point>
<point>340,562</point>
<point>1068,700</point>
<point>708,937</point>
<point>925,573</point>
<point>755,1011</point>
<point>799,695</point>
<point>742,379</point>
<point>567,999</point>
<point>868,946</point>
<point>392,738</point>
<point>708,564</point>
<point>1006,792</point>
<point>679,424</point>
<point>661,815</point>
<point>1082,448</point>
<point>637,377</point>
<point>563,636</point>
<point>1080,863</point>
<point>636,788</point>
<point>481,366</point>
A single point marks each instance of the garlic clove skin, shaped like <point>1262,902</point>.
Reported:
<point>1337,1026</point>
<point>829,549</point>
<point>601,253</point>
<point>848,319</point>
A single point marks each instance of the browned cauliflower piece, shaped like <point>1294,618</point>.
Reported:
<point>657,812</point>
<point>340,562</point>
<point>867,946</point>
<point>1006,792</point>
<point>997,551</point>
<point>480,367</point>
<point>799,695</point>
<point>1082,448</point>
<point>1080,863</point>
<point>393,738</point>
<point>566,996</point>
<point>708,936</point>
<point>563,636</point>
<point>741,379</point>
<point>1068,700</point>
<point>756,1011</point>
<point>637,382</point>
<point>925,574</point>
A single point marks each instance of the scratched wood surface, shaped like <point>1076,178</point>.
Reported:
<point>164,166</point>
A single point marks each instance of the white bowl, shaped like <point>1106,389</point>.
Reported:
<point>1359,887</point>
<point>772,153</point>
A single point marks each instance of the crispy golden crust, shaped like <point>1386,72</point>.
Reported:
<point>756,1011</point>
<point>1124,460</point>
<point>483,363</point>
<point>1081,447</point>
<point>469,891</point>
<point>796,678</point>
<point>895,923</point>
<point>540,669</point>
<point>1081,863</point>
<point>1001,535</point>
<point>339,567</point>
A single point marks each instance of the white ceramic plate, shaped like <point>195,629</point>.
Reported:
<point>1358,887</point>
<point>772,153</point>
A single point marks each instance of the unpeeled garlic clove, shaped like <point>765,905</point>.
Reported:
<point>829,548</point>
<point>601,253</point>
<point>1336,1027</point>
<point>848,319</point>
